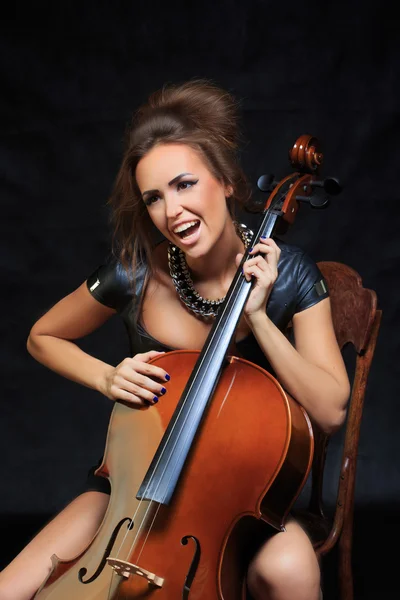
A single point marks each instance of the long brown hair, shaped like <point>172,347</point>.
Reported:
<point>197,113</point>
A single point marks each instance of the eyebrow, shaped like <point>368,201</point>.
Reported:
<point>174,180</point>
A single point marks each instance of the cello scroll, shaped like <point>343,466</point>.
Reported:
<point>302,186</point>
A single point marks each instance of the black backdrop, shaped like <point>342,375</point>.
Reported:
<point>71,75</point>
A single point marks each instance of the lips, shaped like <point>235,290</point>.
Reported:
<point>186,230</point>
<point>185,225</point>
<point>190,234</point>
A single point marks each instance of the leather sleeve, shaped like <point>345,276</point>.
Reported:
<point>312,287</point>
<point>110,285</point>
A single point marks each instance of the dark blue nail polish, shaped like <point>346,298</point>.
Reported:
<point>167,377</point>
<point>163,390</point>
<point>250,249</point>
<point>263,237</point>
<point>155,400</point>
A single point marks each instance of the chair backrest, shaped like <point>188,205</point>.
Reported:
<point>356,320</point>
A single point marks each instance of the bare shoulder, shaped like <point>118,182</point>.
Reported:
<point>74,316</point>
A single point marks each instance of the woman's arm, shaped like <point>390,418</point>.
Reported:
<point>73,317</point>
<point>313,372</point>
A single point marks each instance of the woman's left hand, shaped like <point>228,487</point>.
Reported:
<point>264,268</point>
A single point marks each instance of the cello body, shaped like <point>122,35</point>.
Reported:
<point>251,459</point>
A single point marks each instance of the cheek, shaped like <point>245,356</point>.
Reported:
<point>216,199</point>
<point>220,205</point>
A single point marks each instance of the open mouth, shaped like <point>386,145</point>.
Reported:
<point>188,229</point>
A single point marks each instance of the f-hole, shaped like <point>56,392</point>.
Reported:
<point>193,566</point>
<point>107,552</point>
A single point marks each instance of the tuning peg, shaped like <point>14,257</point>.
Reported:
<point>266,183</point>
<point>331,185</point>
<point>316,201</point>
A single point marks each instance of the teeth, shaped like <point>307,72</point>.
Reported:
<point>184,226</point>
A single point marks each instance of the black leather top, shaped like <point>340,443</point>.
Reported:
<point>297,287</point>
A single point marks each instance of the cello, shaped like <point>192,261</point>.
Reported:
<point>185,474</point>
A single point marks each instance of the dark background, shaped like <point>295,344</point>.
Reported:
<point>71,75</point>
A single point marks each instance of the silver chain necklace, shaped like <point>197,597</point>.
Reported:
<point>201,307</point>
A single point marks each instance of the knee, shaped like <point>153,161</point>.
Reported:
<point>283,575</point>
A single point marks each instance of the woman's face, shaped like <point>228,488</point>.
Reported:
<point>184,200</point>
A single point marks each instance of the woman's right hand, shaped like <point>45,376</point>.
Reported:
<point>135,381</point>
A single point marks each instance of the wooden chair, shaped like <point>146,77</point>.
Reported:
<point>356,321</point>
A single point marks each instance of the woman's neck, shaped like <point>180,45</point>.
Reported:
<point>218,265</point>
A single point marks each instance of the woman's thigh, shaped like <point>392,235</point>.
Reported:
<point>285,567</point>
<point>67,535</point>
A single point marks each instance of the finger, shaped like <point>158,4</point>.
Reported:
<point>136,382</point>
<point>261,270</point>
<point>264,249</point>
<point>256,272</point>
<point>268,257</point>
<point>257,260</point>
<point>129,398</point>
<point>146,369</point>
<point>142,386</point>
<point>269,242</point>
<point>249,273</point>
<point>146,356</point>
<point>144,383</point>
<point>143,394</point>
<point>263,265</point>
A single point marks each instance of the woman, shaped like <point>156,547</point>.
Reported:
<point>180,174</point>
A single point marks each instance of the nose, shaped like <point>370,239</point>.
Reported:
<point>173,206</point>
